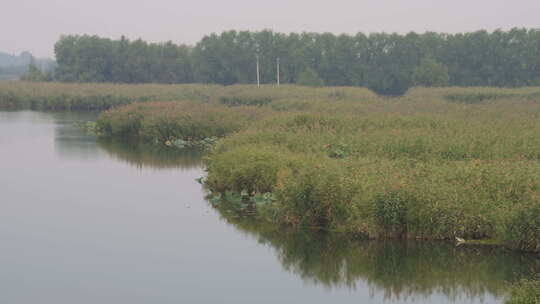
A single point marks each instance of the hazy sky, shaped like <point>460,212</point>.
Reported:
<point>35,25</point>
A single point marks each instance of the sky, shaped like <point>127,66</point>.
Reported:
<point>35,25</point>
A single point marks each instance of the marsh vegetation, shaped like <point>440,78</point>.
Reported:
<point>435,164</point>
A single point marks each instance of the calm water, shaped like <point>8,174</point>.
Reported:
<point>83,221</point>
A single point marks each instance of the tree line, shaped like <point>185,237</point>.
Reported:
<point>386,63</point>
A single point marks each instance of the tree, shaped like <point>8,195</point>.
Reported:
<point>390,81</point>
<point>309,77</point>
<point>431,73</point>
<point>34,73</point>
<point>386,63</point>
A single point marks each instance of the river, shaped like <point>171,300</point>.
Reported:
<point>90,221</point>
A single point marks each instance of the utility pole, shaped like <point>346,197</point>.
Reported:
<point>277,72</point>
<point>258,76</point>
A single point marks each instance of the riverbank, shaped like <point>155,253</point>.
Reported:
<point>434,164</point>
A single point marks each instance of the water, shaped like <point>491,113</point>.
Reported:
<point>87,221</point>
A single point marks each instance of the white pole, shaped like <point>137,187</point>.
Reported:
<point>278,71</point>
<point>258,76</point>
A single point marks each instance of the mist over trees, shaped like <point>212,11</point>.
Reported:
<point>20,66</point>
<point>389,64</point>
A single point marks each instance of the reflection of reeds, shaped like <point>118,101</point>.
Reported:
<point>152,156</point>
<point>397,269</point>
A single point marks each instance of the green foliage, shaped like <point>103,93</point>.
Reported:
<point>316,195</point>
<point>245,101</point>
<point>55,96</point>
<point>521,227</point>
<point>431,73</point>
<point>94,59</point>
<point>525,292</point>
<point>389,64</point>
<point>389,82</point>
<point>35,74</point>
<point>94,96</point>
<point>309,77</point>
<point>25,66</point>
<point>482,97</point>
<point>391,212</point>
<point>242,202</point>
<point>175,123</point>
<point>89,127</point>
<point>245,168</point>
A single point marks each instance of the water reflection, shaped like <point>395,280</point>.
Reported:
<point>400,270</point>
<point>71,141</point>
<point>144,155</point>
<point>74,143</point>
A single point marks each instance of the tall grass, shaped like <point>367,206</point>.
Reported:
<point>167,122</point>
<point>413,167</point>
<point>99,96</point>
<point>525,292</point>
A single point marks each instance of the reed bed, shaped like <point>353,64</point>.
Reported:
<point>525,292</point>
<point>176,123</point>
<point>420,166</point>
<point>15,95</point>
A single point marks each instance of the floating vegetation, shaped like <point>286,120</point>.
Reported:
<point>89,127</point>
<point>242,200</point>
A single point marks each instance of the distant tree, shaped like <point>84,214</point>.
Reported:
<point>389,81</point>
<point>309,77</point>
<point>431,73</point>
<point>34,73</point>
